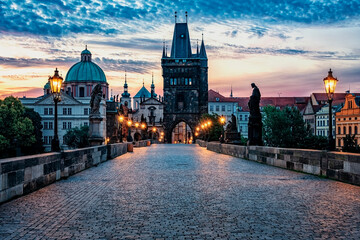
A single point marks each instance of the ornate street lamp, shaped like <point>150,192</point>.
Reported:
<point>55,84</point>
<point>129,137</point>
<point>330,85</point>
<point>222,122</point>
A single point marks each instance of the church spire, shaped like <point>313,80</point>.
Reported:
<point>152,86</point>
<point>181,47</point>
<point>125,93</point>
<point>231,93</point>
<point>202,48</point>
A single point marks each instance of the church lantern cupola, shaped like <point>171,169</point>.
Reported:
<point>86,55</point>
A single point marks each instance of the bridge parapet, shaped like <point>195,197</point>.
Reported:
<point>22,175</point>
<point>340,166</point>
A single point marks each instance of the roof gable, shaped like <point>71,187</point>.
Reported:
<point>65,99</point>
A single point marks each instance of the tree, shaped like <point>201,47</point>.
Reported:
<point>16,130</point>
<point>215,129</point>
<point>77,137</point>
<point>350,144</point>
<point>286,128</point>
<point>37,146</point>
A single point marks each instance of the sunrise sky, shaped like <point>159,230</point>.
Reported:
<point>285,46</point>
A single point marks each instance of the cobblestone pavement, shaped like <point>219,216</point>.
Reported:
<point>185,192</point>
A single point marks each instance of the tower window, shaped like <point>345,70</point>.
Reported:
<point>186,81</point>
<point>171,81</point>
<point>190,81</point>
<point>175,81</point>
<point>180,101</point>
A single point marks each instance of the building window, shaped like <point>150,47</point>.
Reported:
<point>69,111</point>
<point>86,111</point>
<point>46,126</point>
<point>246,117</point>
<point>86,123</point>
<point>344,130</point>
<point>355,130</point>
<point>69,125</point>
<point>229,108</point>
<point>46,111</point>
<point>82,92</point>
<point>51,111</point>
<point>50,125</point>
<point>223,108</point>
<point>217,108</point>
<point>350,130</point>
<point>64,111</point>
<point>50,139</point>
<point>186,81</point>
<point>175,81</point>
<point>211,108</point>
<point>64,125</point>
<point>190,81</point>
<point>241,117</point>
<point>339,142</point>
<point>350,104</point>
<point>339,130</point>
<point>46,140</point>
<point>171,81</point>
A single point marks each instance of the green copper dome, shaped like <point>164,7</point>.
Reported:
<point>85,70</point>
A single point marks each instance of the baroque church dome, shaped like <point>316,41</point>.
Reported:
<point>85,70</point>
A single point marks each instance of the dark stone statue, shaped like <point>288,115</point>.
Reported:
<point>255,123</point>
<point>231,133</point>
<point>96,96</point>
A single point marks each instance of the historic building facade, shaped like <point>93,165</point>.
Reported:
<point>348,120</point>
<point>185,77</point>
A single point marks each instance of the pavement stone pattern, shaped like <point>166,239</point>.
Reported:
<point>185,192</point>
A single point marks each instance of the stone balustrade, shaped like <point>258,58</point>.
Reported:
<point>22,175</point>
<point>340,166</point>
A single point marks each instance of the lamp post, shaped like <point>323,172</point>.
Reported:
<point>55,84</point>
<point>121,120</point>
<point>330,85</point>
<point>222,122</point>
<point>129,137</point>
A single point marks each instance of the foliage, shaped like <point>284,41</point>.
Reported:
<point>37,146</point>
<point>77,137</point>
<point>350,144</point>
<point>286,128</point>
<point>215,130</point>
<point>16,130</point>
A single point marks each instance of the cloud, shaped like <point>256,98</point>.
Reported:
<point>107,64</point>
<point>133,43</point>
<point>60,18</point>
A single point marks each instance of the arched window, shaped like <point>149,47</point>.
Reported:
<point>339,130</point>
<point>344,130</point>
<point>186,81</point>
<point>175,81</point>
<point>171,81</point>
<point>350,130</point>
<point>355,130</point>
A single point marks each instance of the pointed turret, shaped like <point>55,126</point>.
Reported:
<point>202,48</point>
<point>164,52</point>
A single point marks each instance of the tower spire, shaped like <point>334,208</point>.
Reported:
<point>175,16</point>
<point>152,85</point>
<point>231,93</point>
<point>186,15</point>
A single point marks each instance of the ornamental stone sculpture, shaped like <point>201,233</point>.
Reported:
<point>96,129</point>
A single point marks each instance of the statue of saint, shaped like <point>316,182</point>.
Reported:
<point>96,96</point>
<point>254,102</point>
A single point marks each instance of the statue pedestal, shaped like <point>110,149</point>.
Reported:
<point>232,137</point>
<point>255,131</point>
<point>95,137</point>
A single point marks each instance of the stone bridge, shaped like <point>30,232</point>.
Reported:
<point>185,192</point>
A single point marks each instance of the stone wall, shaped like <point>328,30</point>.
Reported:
<point>335,165</point>
<point>22,175</point>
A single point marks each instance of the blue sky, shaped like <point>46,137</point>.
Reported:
<point>286,47</point>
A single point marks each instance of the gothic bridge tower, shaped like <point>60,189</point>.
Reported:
<point>185,78</point>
